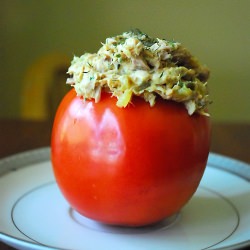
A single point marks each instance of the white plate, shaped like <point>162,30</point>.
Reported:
<point>34,215</point>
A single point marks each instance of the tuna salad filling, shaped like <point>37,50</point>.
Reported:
<point>135,64</point>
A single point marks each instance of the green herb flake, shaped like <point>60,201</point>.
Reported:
<point>90,65</point>
<point>143,86</point>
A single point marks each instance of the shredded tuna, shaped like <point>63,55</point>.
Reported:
<point>135,64</point>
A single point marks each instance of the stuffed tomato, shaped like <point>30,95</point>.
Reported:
<point>130,141</point>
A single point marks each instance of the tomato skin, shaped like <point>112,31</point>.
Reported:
<point>128,166</point>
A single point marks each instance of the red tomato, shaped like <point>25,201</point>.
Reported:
<point>128,166</point>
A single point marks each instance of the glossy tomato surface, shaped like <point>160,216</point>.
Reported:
<point>128,166</point>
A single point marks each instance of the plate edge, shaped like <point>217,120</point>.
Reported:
<point>19,160</point>
<point>231,165</point>
<point>22,159</point>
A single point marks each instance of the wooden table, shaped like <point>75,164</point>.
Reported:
<point>17,135</point>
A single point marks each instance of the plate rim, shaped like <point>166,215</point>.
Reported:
<point>7,163</point>
<point>28,157</point>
